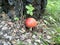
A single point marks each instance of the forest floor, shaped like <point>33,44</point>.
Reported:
<point>16,33</point>
<point>47,32</point>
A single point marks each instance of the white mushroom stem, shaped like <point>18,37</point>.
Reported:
<point>31,29</point>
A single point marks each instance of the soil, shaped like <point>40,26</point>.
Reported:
<point>12,32</point>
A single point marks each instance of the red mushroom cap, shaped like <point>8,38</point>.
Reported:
<point>30,22</point>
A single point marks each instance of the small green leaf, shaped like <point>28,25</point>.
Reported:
<point>27,7</point>
<point>31,8</point>
<point>31,13</point>
<point>16,18</point>
<point>30,5</point>
<point>28,12</point>
<point>46,22</point>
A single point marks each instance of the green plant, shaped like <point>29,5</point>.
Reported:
<point>43,41</point>
<point>16,18</point>
<point>52,18</point>
<point>30,9</point>
<point>56,39</point>
<point>53,9</point>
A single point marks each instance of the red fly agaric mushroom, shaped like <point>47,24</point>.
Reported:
<point>30,22</point>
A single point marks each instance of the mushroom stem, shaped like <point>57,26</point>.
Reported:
<point>31,29</point>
